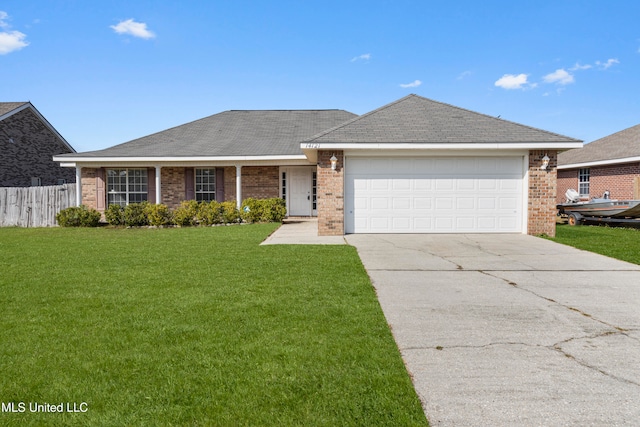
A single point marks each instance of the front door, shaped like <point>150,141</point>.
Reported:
<point>300,192</point>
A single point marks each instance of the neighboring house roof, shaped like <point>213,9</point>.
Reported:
<point>8,109</point>
<point>414,119</point>
<point>228,134</point>
<point>620,147</point>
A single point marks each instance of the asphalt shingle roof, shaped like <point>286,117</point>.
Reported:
<point>231,133</point>
<point>414,119</point>
<point>6,107</point>
<point>620,145</point>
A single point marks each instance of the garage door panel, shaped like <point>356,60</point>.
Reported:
<point>444,184</point>
<point>439,195</point>
<point>465,203</point>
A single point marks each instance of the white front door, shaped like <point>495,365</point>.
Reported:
<point>300,191</point>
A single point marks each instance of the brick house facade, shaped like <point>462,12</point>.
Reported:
<point>27,144</point>
<point>609,164</point>
<point>622,181</point>
<point>289,154</point>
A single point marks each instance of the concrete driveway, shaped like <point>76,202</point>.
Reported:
<point>511,330</point>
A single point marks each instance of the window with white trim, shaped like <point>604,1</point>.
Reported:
<point>125,186</point>
<point>205,185</point>
<point>583,181</point>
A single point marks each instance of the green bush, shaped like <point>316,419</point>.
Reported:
<point>78,217</point>
<point>186,213</point>
<point>158,215</point>
<point>135,215</point>
<point>209,213</point>
<point>114,215</point>
<point>263,210</point>
<point>230,213</point>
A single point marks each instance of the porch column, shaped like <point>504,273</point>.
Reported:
<point>78,185</point>
<point>158,191</point>
<point>238,186</point>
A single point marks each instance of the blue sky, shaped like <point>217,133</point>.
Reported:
<point>107,72</point>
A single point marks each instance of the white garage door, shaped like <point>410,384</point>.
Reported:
<point>434,195</point>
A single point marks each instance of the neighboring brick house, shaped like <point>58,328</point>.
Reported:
<point>412,166</point>
<point>27,144</point>
<point>609,164</point>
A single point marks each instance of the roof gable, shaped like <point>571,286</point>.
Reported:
<point>8,109</point>
<point>414,119</point>
<point>620,145</point>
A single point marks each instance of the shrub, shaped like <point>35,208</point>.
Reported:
<point>275,209</point>
<point>230,213</point>
<point>78,217</point>
<point>114,215</point>
<point>186,213</point>
<point>210,213</point>
<point>263,210</point>
<point>135,215</point>
<point>158,215</point>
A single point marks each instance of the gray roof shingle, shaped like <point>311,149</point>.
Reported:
<point>620,145</point>
<point>231,133</point>
<point>7,107</point>
<point>414,119</point>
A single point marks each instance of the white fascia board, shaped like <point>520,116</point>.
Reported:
<point>442,146</point>
<point>435,153</point>
<point>601,163</point>
<point>181,161</point>
<point>15,111</point>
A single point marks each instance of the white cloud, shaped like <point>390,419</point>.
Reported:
<point>512,81</point>
<point>607,64</point>
<point>464,74</point>
<point>10,40</point>
<point>580,67</point>
<point>133,28</point>
<point>363,57</point>
<point>560,76</point>
<point>415,83</point>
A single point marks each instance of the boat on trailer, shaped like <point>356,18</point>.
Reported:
<point>602,209</point>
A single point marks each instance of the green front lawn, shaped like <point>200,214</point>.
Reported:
<point>194,326</point>
<point>620,243</point>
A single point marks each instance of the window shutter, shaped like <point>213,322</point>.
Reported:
<point>189,184</point>
<point>220,184</point>
<point>101,194</point>
<point>151,185</point>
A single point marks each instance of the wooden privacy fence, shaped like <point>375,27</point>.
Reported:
<point>34,206</point>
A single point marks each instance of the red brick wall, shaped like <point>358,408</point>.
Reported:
<point>620,180</point>
<point>258,182</point>
<point>566,179</point>
<point>172,186</point>
<point>88,181</point>
<point>542,194</point>
<point>330,184</point>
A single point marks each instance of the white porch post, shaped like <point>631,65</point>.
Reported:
<point>158,189</point>
<point>78,185</point>
<point>238,186</point>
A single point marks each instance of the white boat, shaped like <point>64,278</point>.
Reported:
<point>602,207</point>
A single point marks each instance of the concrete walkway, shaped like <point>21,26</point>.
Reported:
<point>301,231</point>
<point>511,330</point>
